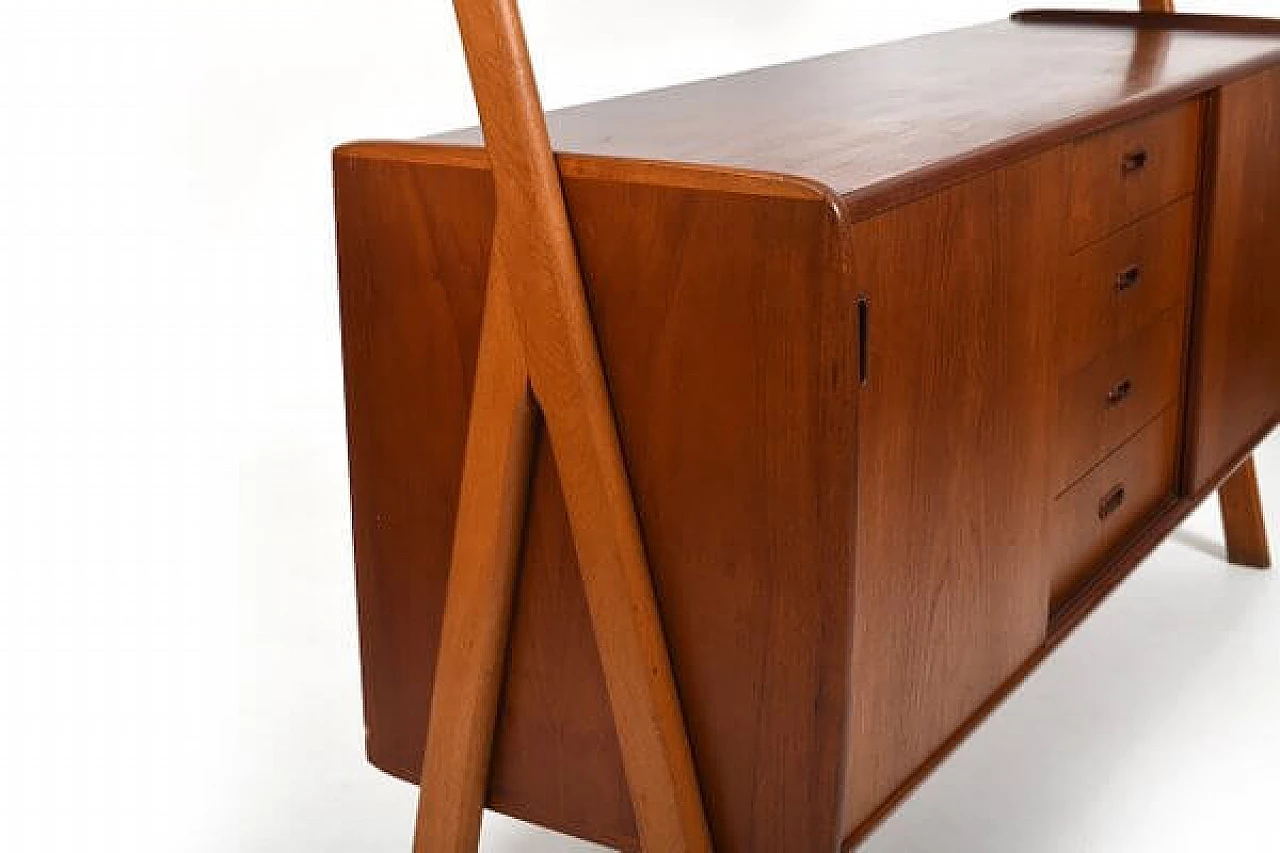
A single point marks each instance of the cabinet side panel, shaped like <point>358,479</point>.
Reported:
<point>411,295</point>
<point>1236,332</point>
<point>413,246</point>
<point>951,590</point>
<point>732,367</point>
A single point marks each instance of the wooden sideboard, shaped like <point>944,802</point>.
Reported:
<point>915,352</point>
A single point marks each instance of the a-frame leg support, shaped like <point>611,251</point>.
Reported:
<point>538,344</point>
<point>478,609</point>
<point>471,661</point>
<point>1242,518</point>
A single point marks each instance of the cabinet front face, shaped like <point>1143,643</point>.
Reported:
<point>1121,320</point>
<point>953,461</point>
<point>1023,411</point>
<point>1236,378</point>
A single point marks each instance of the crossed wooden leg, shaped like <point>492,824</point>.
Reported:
<point>1242,518</point>
<point>481,587</point>
<point>483,569</point>
<point>537,344</point>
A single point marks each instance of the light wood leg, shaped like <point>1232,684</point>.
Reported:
<point>1242,518</point>
<point>537,334</point>
<point>482,577</point>
<point>471,662</point>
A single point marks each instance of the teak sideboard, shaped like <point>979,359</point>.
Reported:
<point>915,352</point>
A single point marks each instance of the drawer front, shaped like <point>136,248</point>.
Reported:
<point>1099,513</point>
<point>1120,285</point>
<point>1124,173</point>
<point>1111,398</point>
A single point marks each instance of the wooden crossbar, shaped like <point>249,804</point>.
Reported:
<point>538,347</point>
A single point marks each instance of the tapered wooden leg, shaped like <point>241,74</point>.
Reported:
<point>1242,518</point>
<point>537,332</point>
<point>482,578</point>
<point>647,716</point>
<point>480,593</point>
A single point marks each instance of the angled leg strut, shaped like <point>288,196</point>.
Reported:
<point>1242,518</point>
<point>537,334</point>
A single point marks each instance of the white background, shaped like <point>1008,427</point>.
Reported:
<point>178,665</point>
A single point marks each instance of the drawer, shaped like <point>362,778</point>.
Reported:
<point>1110,398</point>
<point>1096,516</point>
<point>1119,175</point>
<point>1120,285</point>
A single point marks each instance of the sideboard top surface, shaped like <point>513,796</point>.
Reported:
<point>875,124</point>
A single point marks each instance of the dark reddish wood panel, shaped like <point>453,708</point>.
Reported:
<point>1101,511</point>
<point>950,595</point>
<point>1104,403</point>
<point>1243,518</point>
<point>725,303</point>
<point>891,121</point>
<point>730,351</point>
<point>407,395</point>
<point>1127,172</point>
<point>1236,368</point>
<point>1120,285</point>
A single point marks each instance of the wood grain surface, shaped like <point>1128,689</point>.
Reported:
<point>481,586</point>
<point>1236,376</point>
<point>977,98</point>
<point>948,602</point>
<point>1099,513</point>
<point>1122,174</point>
<point>838,619</point>
<point>730,363</point>
<point>535,267</point>
<point>1244,521</point>
<point>1119,286</point>
<point>1106,402</point>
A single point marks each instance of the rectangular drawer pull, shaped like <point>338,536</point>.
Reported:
<point>1113,500</point>
<point>1128,277</point>
<point>1119,394</point>
<point>1134,161</point>
<point>1126,172</point>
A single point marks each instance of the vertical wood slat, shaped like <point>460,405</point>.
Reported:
<point>538,325</point>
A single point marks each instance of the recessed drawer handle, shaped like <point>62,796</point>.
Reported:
<point>1118,394</point>
<point>1128,277</point>
<point>1134,161</point>
<point>1111,502</point>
